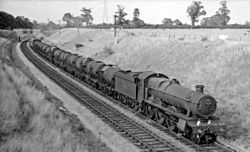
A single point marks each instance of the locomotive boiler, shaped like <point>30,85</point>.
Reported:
<point>182,110</point>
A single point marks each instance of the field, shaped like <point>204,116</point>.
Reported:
<point>29,116</point>
<point>219,59</point>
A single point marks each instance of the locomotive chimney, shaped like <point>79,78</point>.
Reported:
<point>199,88</point>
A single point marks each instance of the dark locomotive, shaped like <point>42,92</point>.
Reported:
<point>182,110</point>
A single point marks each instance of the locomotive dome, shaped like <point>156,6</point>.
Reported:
<point>164,100</point>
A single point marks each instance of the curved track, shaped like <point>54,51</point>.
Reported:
<point>137,134</point>
<point>134,132</point>
<point>215,147</point>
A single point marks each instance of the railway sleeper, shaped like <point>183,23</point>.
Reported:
<point>156,144</point>
<point>144,137</point>
<point>99,114</point>
<point>131,128</point>
<point>140,133</point>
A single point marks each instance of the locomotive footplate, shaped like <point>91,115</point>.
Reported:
<point>209,126</point>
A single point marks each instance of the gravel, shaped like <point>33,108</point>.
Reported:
<point>96,124</point>
<point>101,130</point>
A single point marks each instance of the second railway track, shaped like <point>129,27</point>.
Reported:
<point>131,130</point>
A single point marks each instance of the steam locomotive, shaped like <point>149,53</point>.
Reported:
<point>164,100</point>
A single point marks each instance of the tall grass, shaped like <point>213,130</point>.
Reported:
<point>29,122</point>
<point>29,117</point>
<point>192,56</point>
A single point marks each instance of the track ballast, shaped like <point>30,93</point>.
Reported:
<point>134,132</point>
<point>131,130</point>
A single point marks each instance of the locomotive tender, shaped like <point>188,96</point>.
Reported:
<point>182,110</point>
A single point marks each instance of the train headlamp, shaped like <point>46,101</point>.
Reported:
<point>198,123</point>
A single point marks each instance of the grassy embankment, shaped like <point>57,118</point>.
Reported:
<point>192,56</point>
<point>29,115</point>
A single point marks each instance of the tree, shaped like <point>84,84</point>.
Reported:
<point>52,26</point>
<point>22,22</point>
<point>7,21</point>
<point>78,21</point>
<point>136,13</point>
<point>167,22</point>
<point>121,15</point>
<point>220,18</point>
<point>195,10</point>
<point>136,20</point>
<point>35,24</point>
<point>177,22</point>
<point>68,18</point>
<point>213,21</point>
<point>223,13</point>
<point>247,23</point>
<point>86,16</point>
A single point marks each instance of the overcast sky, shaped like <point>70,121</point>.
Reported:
<point>151,11</point>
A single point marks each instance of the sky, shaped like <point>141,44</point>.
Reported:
<point>151,11</point>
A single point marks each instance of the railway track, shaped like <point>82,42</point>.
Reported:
<point>131,130</point>
<point>138,135</point>
<point>215,147</point>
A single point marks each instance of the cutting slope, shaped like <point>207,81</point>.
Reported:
<point>191,56</point>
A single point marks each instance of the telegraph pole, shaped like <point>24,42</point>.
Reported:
<point>59,27</point>
<point>115,16</point>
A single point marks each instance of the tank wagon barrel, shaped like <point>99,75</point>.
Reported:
<point>183,110</point>
<point>72,59</point>
<point>109,74</point>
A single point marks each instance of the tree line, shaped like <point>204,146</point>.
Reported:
<point>194,11</point>
<point>9,22</point>
<point>220,18</point>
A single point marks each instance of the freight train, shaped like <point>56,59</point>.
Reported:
<point>182,110</point>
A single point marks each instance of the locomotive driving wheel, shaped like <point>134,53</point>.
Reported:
<point>144,108</point>
<point>160,117</point>
<point>130,103</point>
<point>150,111</point>
<point>170,123</point>
<point>136,106</point>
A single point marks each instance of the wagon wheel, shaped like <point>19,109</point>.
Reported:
<point>109,92</point>
<point>124,100</point>
<point>120,98</point>
<point>106,90</point>
<point>136,106</point>
<point>114,95</point>
<point>144,109</point>
<point>128,103</point>
<point>131,104</point>
<point>150,112</point>
<point>96,85</point>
